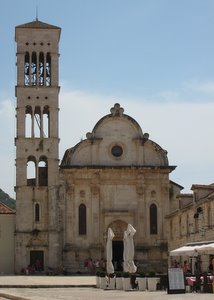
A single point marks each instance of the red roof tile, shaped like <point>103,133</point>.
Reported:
<point>4,209</point>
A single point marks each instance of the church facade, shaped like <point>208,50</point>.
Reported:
<point>115,177</point>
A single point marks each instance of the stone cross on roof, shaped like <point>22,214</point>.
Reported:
<point>117,111</point>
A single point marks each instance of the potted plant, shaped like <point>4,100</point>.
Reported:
<point>98,279</point>
<point>126,281</point>
<point>103,280</point>
<point>119,281</point>
<point>152,281</point>
<point>141,280</point>
<point>112,281</point>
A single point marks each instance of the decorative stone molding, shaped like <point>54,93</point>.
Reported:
<point>140,189</point>
<point>82,194</point>
<point>95,189</point>
<point>117,111</point>
<point>70,189</point>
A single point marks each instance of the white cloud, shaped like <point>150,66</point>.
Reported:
<point>206,87</point>
<point>185,130</point>
<point>7,149</point>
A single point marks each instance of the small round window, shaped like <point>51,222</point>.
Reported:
<point>117,151</point>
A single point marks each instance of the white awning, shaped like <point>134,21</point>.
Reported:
<point>206,249</point>
<point>184,250</point>
<point>194,250</point>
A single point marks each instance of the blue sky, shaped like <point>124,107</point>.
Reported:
<point>154,57</point>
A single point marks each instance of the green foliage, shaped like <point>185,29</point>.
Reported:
<point>7,200</point>
<point>151,274</point>
<point>102,274</point>
<point>118,274</point>
<point>126,274</point>
<point>142,274</point>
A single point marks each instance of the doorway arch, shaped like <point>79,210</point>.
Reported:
<point>118,227</point>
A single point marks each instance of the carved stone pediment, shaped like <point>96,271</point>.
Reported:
<point>118,228</point>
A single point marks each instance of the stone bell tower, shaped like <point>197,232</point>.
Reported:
<point>37,232</point>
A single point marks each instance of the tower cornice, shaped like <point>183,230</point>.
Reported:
<point>38,24</point>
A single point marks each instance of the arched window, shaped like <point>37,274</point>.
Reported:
<point>31,171</point>
<point>28,121</point>
<point>82,219</point>
<point>37,212</point>
<point>153,219</point>
<point>33,69</point>
<point>41,68</point>
<point>43,171</point>
<point>27,69</point>
<point>48,69</point>
<point>37,122</point>
<point>46,132</point>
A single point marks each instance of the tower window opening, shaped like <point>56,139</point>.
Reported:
<point>28,121</point>
<point>48,69</point>
<point>43,171</point>
<point>153,219</point>
<point>31,171</point>
<point>46,127</point>
<point>37,122</point>
<point>37,212</point>
<point>27,69</point>
<point>41,68</point>
<point>33,69</point>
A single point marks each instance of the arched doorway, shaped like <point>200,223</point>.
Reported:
<point>118,228</point>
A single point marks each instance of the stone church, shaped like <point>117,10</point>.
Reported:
<point>115,177</point>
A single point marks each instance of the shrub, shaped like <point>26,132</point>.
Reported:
<point>152,274</point>
<point>102,274</point>
<point>142,274</point>
<point>125,274</point>
<point>118,274</point>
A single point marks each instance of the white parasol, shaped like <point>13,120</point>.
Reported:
<point>128,250</point>
<point>109,265</point>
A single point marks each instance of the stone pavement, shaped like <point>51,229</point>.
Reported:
<point>76,288</point>
<point>47,281</point>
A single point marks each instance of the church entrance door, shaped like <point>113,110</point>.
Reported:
<point>37,260</point>
<point>118,227</point>
<point>117,255</point>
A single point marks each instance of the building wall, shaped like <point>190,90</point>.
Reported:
<point>114,196</point>
<point>7,243</point>
<point>186,226</point>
